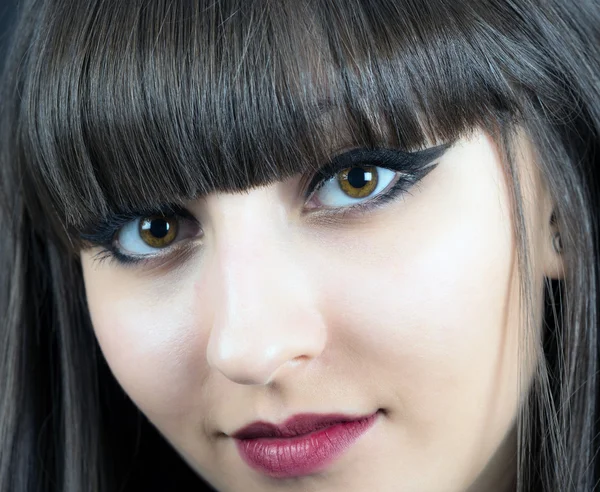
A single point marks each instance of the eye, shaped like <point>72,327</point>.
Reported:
<point>352,185</point>
<point>148,235</point>
<point>363,179</point>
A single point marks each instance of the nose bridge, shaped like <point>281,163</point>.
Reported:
<point>265,314</point>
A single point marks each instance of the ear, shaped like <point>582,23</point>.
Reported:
<point>553,248</point>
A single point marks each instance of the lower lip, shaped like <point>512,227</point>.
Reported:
<point>302,455</point>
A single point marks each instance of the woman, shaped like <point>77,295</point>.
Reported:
<point>305,246</point>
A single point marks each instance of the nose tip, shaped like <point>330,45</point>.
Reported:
<point>257,350</point>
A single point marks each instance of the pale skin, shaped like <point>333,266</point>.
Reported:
<point>413,308</point>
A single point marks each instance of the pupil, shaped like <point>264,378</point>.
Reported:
<point>159,228</point>
<point>356,177</point>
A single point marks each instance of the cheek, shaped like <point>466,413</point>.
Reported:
<point>146,337</point>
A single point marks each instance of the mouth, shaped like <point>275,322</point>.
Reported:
<point>302,445</point>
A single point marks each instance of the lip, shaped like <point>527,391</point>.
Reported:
<point>303,444</point>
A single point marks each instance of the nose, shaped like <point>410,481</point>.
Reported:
<point>265,315</point>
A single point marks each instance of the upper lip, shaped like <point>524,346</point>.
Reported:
<point>296,425</point>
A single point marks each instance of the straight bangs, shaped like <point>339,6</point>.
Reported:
<point>127,106</point>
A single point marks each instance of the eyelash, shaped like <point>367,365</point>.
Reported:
<point>411,168</point>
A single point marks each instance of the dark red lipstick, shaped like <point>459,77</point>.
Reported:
<point>303,444</point>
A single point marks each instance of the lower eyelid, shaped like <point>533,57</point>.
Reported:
<point>156,260</point>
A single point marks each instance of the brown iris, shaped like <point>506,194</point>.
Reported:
<point>158,231</point>
<point>358,181</point>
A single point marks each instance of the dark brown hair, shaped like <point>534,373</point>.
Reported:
<point>112,106</point>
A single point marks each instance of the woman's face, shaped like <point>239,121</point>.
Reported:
<point>411,309</point>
